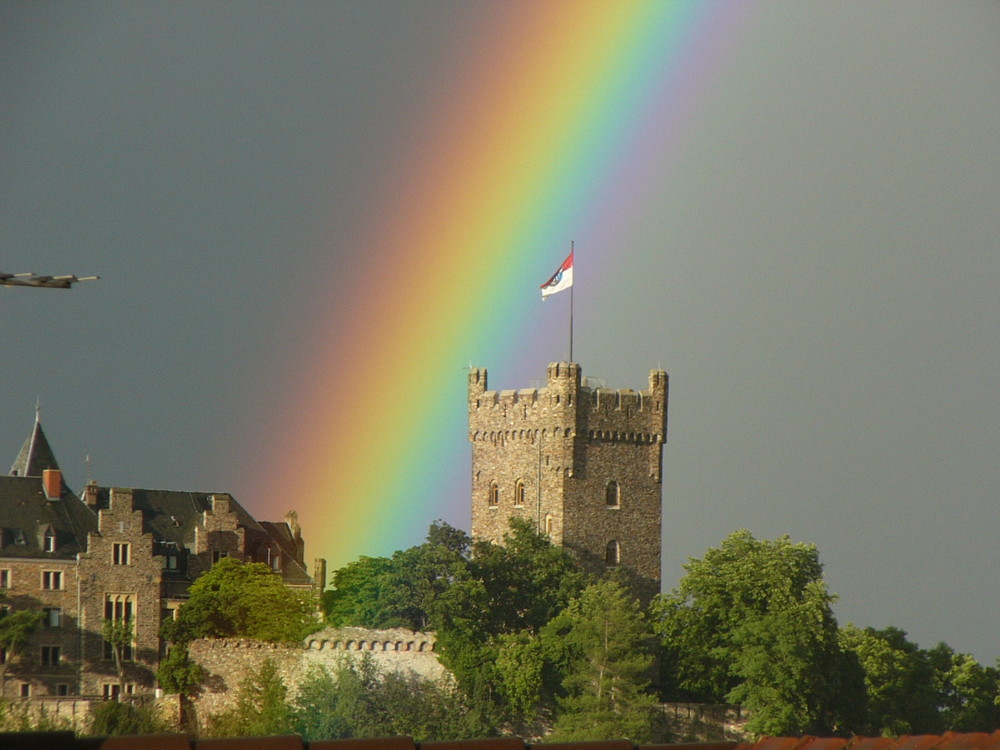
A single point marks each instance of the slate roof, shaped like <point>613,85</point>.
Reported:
<point>35,455</point>
<point>26,515</point>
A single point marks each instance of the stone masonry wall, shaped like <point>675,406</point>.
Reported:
<point>120,571</point>
<point>30,584</point>
<point>229,661</point>
<point>549,455</point>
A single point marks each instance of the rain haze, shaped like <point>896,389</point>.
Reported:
<point>813,259</point>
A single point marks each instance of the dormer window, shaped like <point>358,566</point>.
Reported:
<point>49,541</point>
<point>19,538</point>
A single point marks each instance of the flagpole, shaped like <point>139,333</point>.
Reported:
<point>572,254</point>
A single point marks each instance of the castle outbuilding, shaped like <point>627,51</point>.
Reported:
<point>582,462</point>
<point>113,554</point>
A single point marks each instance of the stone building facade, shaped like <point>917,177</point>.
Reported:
<point>113,554</point>
<point>583,463</point>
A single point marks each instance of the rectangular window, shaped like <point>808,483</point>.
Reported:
<point>120,553</point>
<point>53,617</point>
<point>52,579</point>
<point>218,555</point>
<point>25,690</point>
<point>3,655</point>
<point>50,656</point>
<point>4,578</point>
<point>118,608</point>
<point>62,689</point>
<point>172,561</point>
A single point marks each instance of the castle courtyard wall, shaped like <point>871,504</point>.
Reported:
<point>228,662</point>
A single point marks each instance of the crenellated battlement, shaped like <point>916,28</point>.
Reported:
<point>227,661</point>
<point>564,401</point>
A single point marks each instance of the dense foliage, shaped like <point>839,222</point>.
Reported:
<point>249,600</point>
<point>604,634</point>
<point>233,599</point>
<point>752,623</point>
<point>17,627</point>
<point>536,646</point>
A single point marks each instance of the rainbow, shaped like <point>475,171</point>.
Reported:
<point>559,120</point>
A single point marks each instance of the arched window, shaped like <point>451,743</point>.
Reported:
<point>613,554</point>
<point>519,494</point>
<point>494,494</point>
<point>548,523</point>
<point>612,495</point>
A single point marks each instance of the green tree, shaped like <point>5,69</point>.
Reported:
<point>898,679</point>
<point>607,683</point>
<point>120,635</point>
<point>178,674</point>
<point>752,622</point>
<point>233,599</point>
<point>967,692</point>
<point>470,595</point>
<point>261,707</point>
<point>16,627</point>
<point>355,595</point>
<point>357,701</point>
<point>248,600</point>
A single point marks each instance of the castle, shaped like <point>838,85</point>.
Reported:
<point>582,462</point>
<point>113,554</point>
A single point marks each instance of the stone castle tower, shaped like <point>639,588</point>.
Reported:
<point>582,463</point>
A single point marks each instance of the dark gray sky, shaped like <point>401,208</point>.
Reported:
<point>816,265</point>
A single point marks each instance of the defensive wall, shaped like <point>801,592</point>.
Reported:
<point>228,661</point>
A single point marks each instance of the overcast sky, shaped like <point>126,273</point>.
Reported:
<point>816,266</point>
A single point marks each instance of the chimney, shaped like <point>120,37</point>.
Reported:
<point>52,483</point>
<point>90,494</point>
<point>319,573</point>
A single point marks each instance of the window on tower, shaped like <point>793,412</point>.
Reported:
<point>494,494</point>
<point>612,494</point>
<point>613,553</point>
<point>519,494</point>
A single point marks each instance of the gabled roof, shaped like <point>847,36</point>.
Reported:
<point>172,516</point>
<point>35,455</point>
<point>26,515</point>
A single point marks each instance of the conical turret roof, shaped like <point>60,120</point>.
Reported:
<point>35,455</point>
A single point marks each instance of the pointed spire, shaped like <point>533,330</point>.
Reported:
<point>36,455</point>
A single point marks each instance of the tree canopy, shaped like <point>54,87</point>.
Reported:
<point>752,623</point>
<point>604,634</point>
<point>233,600</point>
<point>248,600</point>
